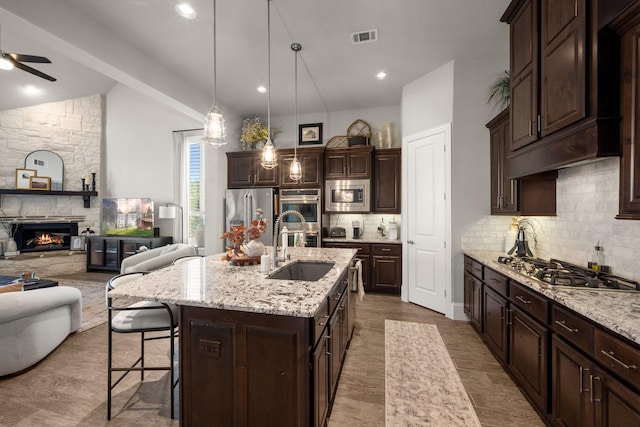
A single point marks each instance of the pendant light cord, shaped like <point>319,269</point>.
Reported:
<point>215,16</point>
<point>269,69</point>
<point>296,47</point>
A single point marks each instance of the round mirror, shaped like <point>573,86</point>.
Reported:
<point>46,163</point>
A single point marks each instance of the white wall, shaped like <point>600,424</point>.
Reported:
<point>336,123</point>
<point>470,175</point>
<point>428,101</point>
<point>138,158</point>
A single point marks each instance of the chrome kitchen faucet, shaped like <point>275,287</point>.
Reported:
<point>276,236</point>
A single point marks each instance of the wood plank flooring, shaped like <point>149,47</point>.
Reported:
<point>68,388</point>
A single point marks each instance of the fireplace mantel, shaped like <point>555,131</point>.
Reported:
<point>86,195</point>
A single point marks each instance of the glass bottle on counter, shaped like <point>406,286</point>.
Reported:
<point>597,260</point>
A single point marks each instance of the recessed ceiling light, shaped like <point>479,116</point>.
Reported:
<point>381,75</point>
<point>262,89</point>
<point>31,90</point>
<point>186,10</point>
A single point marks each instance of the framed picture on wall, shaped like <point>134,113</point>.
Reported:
<point>40,183</point>
<point>22,178</point>
<point>310,134</point>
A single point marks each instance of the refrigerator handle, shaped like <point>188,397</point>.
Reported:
<point>249,213</point>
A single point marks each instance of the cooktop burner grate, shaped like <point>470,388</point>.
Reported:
<point>561,273</point>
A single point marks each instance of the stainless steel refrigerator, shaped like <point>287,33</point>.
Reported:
<point>242,205</point>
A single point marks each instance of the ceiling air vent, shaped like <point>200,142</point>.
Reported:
<point>365,36</point>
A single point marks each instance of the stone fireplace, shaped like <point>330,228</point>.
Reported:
<point>45,236</point>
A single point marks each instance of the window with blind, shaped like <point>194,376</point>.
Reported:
<point>195,192</point>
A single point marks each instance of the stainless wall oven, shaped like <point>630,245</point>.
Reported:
<point>308,202</point>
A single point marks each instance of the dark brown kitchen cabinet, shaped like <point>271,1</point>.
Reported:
<point>495,323</point>
<point>564,62</point>
<point>531,195</point>
<point>248,369</point>
<point>348,163</point>
<point>473,273</point>
<point>504,191</point>
<point>386,268</point>
<point>363,254</point>
<point>387,178</point>
<point>312,162</point>
<point>529,355</point>
<point>571,386</point>
<point>628,26</point>
<point>244,170</point>
<point>585,395</point>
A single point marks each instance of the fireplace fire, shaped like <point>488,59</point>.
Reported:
<point>45,236</point>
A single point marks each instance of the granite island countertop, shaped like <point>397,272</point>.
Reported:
<point>362,240</point>
<point>618,311</point>
<point>212,283</point>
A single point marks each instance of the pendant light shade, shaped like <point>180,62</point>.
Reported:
<point>215,133</point>
<point>295,171</point>
<point>269,156</point>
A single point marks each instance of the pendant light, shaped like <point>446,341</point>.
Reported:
<point>269,157</point>
<point>295,172</point>
<point>215,133</point>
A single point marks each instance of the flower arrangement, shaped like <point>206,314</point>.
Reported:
<point>254,131</point>
<point>240,233</point>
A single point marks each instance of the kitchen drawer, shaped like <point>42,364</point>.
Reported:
<point>529,301</point>
<point>320,321</point>
<point>572,328</point>
<point>473,267</point>
<point>496,281</point>
<point>386,250</point>
<point>334,296</point>
<point>618,356</point>
<point>363,248</point>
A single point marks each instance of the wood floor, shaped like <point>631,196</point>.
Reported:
<point>68,388</point>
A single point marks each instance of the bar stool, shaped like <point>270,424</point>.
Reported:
<point>140,317</point>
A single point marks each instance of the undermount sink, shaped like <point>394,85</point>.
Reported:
<point>309,271</point>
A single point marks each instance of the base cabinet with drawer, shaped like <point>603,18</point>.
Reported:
<point>574,371</point>
<point>381,265</point>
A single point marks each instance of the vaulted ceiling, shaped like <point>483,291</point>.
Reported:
<point>95,44</point>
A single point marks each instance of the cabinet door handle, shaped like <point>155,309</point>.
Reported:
<point>386,250</point>
<point>591,380</point>
<point>582,371</point>
<point>522,300</point>
<point>509,319</point>
<point>561,323</point>
<point>501,313</point>
<point>611,355</point>
<point>328,353</point>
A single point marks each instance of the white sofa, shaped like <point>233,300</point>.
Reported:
<point>33,323</point>
<point>156,258</point>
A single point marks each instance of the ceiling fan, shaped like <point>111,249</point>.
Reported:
<point>10,60</point>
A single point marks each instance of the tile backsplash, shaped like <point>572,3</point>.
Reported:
<point>587,204</point>
<point>370,223</point>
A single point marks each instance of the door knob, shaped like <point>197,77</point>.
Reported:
<point>411,242</point>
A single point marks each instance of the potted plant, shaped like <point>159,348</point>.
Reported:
<point>500,91</point>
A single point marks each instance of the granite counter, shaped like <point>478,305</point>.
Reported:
<point>211,282</point>
<point>618,311</point>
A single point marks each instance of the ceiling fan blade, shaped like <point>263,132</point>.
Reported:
<point>32,71</point>
<point>29,58</point>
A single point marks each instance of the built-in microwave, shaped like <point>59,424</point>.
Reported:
<point>348,195</point>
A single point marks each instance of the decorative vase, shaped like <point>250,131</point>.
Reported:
<point>254,248</point>
<point>11,245</point>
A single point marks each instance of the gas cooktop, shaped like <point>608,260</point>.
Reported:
<point>556,273</point>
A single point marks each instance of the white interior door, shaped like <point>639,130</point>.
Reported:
<point>427,230</point>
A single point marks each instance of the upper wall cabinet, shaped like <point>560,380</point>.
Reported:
<point>244,170</point>
<point>311,160</point>
<point>628,27</point>
<point>348,163</point>
<point>387,177</point>
<point>564,60</point>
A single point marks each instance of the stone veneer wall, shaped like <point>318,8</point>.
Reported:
<point>73,129</point>
<point>587,203</point>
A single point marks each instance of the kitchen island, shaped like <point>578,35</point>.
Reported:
<point>255,350</point>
